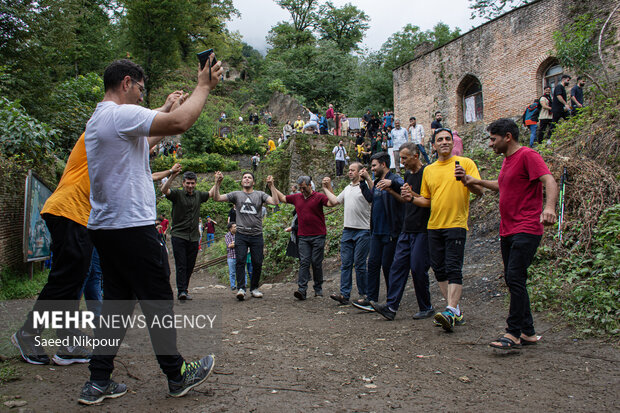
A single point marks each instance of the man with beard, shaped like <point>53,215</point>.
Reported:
<point>249,205</point>
<point>411,252</point>
<point>446,193</point>
<point>520,184</point>
<point>545,116</point>
<point>385,224</point>
<point>184,232</point>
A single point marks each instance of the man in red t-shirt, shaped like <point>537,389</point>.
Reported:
<point>311,232</point>
<point>164,226</point>
<point>522,215</point>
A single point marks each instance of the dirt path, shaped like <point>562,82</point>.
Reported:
<point>282,355</point>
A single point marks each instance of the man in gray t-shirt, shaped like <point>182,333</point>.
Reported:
<point>249,205</point>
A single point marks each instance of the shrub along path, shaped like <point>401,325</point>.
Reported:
<point>281,355</point>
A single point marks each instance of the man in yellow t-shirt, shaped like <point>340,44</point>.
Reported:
<point>65,213</point>
<point>444,191</point>
<point>299,125</point>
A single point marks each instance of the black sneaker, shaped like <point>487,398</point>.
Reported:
<point>30,351</point>
<point>384,310</point>
<point>299,295</point>
<point>340,298</point>
<point>182,296</point>
<point>193,374</point>
<point>420,315</point>
<point>363,304</point>
<point>93,394</point>
<point>318,293</point>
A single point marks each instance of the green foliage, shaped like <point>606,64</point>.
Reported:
<point>575,44</point>
<point>208,162</point>
<point>345,26</point>
<point>15,286</point>
<point>23,135</point>
<point>204,137</point>
<point>583,289</point>
<point>73,103</point>
<point>8,373</point>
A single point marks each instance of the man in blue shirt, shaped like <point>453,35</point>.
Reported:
<point>386,221</point>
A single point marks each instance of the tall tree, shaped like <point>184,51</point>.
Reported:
<point>302,12</point>
<point>345,25</point>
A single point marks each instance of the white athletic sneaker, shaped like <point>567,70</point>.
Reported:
<point>256,294</point>
<point>241,294</point>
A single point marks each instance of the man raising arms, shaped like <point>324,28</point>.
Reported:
<point>446,192</point>
<point>249,206</point>
<point>122,217</point>
<point>520,183</point>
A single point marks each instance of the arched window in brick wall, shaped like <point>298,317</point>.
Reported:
<point>469,98</point>
<point>549,74</point>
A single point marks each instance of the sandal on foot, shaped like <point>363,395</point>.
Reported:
<point>505,343</point>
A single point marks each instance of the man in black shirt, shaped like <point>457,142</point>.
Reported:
<point>576,95</point>
<point>373,125</point>
<point>436,124</point>
<point>560,106</point>
<point>411,252</point>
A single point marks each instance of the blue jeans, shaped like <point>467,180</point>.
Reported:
<point>411,254</point>
<point>232,272</point>
<point>533,129</point>
<point>92,288</point>
<point>381,256</point>
<point>354,247</point>
<point>423,152</point>
<point>210,238</point>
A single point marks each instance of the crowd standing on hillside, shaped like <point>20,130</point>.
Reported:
<point>393,224</point>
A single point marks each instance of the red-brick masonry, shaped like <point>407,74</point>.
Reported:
<point>508,55</point>
<point>12,187</point>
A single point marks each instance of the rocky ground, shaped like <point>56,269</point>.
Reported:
<point>277,354</point>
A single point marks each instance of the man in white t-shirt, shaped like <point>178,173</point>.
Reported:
<point>399,136</point>
<point>416,135</point>
<point>121,223</point>
<point>355,241</point>
<point>340,155</point>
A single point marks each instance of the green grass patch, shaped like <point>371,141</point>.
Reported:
<point>583,287</point>
<point>8,372</point>
<point>14,286</point>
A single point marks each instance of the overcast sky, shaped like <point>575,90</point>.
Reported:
<point>386,18</point>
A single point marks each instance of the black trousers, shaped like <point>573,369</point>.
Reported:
<point>185,253</point>
<point>447,250</point>
<point>339,167</point>
<point>71,252</point>
<point>311,254</point>
<point>255,244</point>
<point>544,129</point>
<point>518,252</point>
<point>134,263</point>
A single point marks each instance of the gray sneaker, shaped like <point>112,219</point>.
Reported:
<point>71,354</point>
<point>193,374</point>
<point>94,394</point>
<point>30,351</point>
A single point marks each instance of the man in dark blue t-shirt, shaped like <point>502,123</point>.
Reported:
<point>386,220</point>
<point>411,252</point>
<point>576,95</point>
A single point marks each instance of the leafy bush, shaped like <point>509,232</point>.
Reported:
<point>23,135</point>
<point>584,288</point>
<point>74,102</point>
<point>209,162</point>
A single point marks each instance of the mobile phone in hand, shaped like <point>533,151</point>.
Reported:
<point>203,58</point>
<point>456,163</point>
